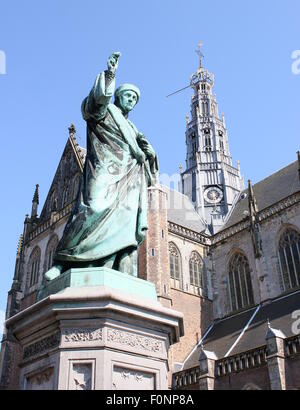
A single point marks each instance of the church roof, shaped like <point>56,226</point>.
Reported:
<point>267,192</point>
<point>225,332</point>
<point>182,212</point>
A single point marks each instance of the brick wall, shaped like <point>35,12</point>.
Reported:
<point>197,313</point>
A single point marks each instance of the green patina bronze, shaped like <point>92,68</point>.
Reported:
<point>87,277</point>
<point>109,220</point>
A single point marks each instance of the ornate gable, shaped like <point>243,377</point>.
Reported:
<point>66,181</point>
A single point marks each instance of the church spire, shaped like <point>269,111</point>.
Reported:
<point>210,179</point>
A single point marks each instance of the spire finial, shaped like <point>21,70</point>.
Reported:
<point>72,129</point>
<point>198,51</point>
<point>269,324</point>
<point>36,194</point>
<point>35,202</point>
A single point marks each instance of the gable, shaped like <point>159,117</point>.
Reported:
<point>64,186</point>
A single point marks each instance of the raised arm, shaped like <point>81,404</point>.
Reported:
<point>95,105</point>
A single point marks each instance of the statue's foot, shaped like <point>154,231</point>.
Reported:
<point>53,272</point>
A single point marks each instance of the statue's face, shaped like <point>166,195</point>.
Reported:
<point>127,100</point>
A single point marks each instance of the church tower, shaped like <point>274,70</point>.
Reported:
<point>210,180</point>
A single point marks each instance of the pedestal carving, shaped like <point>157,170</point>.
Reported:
<point>132,340</point>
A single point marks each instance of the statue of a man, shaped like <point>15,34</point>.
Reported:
<point>109,220</point>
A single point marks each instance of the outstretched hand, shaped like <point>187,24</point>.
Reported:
<point>112,63</point>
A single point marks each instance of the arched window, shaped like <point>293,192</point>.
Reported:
<point>50,250</point>
<point>65,194</point>
<point>196,270</point>
<point>240,286</point>
<point>174,255</point>
<point>34,266</point>
<point>207,141</point>
<point>289,258</point>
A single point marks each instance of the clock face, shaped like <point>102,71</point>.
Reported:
<point>213,195</point>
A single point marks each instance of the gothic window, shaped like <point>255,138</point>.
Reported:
<point>289,258</point>
<point>221,145</point>
<point>240,285</point>
<point>196,270</point>
<point>50,250</point>
<point>207,142</point>
<point>34,266</point>
<point>206,108</point>
<point>65,195</point>
<point>174,255</point>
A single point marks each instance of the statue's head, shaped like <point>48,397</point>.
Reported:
<point>126,97</point>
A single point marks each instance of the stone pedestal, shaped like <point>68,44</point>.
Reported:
<point>111,334</point>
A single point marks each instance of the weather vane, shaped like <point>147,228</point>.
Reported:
<point>198,51</point>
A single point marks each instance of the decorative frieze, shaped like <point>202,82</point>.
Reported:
<point>82,335</point>
<point>41,346</point>
<point>188,233</point>
<point>133,340</point>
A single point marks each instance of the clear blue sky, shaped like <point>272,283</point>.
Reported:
<point>54,49</point>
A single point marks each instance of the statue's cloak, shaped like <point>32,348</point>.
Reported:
<point>110,213</point>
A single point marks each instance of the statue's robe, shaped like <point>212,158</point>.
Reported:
<point>110,214</point>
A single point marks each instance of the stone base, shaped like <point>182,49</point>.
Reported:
<point>97,337</point>
<point>84,277</point>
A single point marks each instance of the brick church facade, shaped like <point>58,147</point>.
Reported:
<point>228,258</point>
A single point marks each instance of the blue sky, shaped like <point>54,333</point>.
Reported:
<point>54,49</point>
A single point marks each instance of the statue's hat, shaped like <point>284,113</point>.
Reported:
<point>125,87</point>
